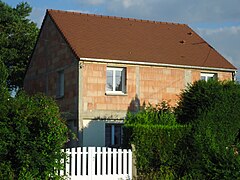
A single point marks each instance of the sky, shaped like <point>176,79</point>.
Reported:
<point>216,21</point>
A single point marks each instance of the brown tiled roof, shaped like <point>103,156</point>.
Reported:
<point>116,38</point>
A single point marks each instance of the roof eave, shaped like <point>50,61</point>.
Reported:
<point>156,64</point>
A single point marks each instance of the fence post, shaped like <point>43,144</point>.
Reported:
<point>134,168</point>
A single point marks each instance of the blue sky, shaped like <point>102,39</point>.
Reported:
<point>217,21</point>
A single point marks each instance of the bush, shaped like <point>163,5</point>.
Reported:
<point>161,113</point>
<point>217,138</point>
<point>32,134</point>
<point>155,146</point>
<point>198,98</point>
<point>155,134</point>
<point>211,149</point>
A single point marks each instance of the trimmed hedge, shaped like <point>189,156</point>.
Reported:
<point>156,145</point>
<point>155,134</point>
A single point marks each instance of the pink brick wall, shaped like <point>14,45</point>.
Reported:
<point>94,82</point>
<point>52,54</point>
<point>155,84</point>
<point>158,83</point>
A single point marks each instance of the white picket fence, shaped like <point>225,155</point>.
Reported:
<point>99,163</point>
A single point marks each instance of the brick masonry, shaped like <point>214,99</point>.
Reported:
<point>153,85</point>
<point>51,55</point>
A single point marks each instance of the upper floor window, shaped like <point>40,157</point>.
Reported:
<point>60,84</point>
<point>208,76</point>
<point>116,80</point>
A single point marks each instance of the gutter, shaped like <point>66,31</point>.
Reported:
<point>156,64</point>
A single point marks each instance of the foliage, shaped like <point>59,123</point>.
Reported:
<point>206,146</point>
<point>32,135</point>
<point>161,113</point>
<point>217,138</point>
<point>155,146</point>
<point>17,39</point>
<point>210,151</point>
<point>155,134</point>
<point>198,98</point>
<point>3,85</point>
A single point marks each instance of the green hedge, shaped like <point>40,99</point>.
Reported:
<point>156,145</point>
<point>156,135</point>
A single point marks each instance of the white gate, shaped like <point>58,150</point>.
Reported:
<point>98,163</point>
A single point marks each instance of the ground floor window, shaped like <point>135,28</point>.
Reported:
<point>113,135</point>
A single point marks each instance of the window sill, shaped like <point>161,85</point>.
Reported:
<point>115,94</point>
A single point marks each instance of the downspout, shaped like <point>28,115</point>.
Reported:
<point>234,76</point>
<point>80,89</point>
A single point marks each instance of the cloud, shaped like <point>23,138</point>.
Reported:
<point>233,31</point>
<point>79,11</point>
<point>185,11</point>
<point>96,2</point>
<point>91,2</point>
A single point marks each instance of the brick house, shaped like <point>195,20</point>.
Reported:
<point>99,67</point>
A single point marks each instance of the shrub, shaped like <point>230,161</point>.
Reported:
<point>155,134</point>
<point>161,113</point>
<point>210,151</point>
<point>198,98</point>
<point>155,145</point>
<point>217,138</point>
<point>32,134</point>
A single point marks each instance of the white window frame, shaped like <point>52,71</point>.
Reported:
<point>207,76</point>
<point>114,69</point>
<point>60,84</point>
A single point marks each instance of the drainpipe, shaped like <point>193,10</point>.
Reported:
<point>234,76</point>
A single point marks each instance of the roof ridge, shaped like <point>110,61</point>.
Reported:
<point>117,17</point>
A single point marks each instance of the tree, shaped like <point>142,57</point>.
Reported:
<point>17,39</point>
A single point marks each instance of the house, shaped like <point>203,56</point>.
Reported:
<point>99,67</point>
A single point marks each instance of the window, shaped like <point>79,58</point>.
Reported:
<point>113,135</point>
<point>60,84</point>
<point>208,76</point>
<point>116,81</point>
